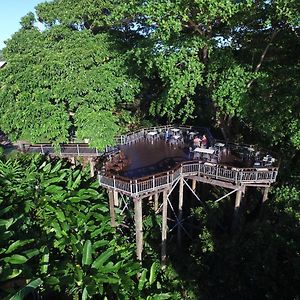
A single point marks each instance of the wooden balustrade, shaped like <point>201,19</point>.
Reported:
<point>235,176</point>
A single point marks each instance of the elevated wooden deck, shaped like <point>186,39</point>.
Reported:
<point>153,165</point>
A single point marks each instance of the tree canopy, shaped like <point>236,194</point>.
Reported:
<point>99,66</point>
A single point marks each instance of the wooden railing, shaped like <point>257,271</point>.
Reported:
<point>83,149</point>
<point>142,132</point>
<point>236,176</point>
<point>79,149</point>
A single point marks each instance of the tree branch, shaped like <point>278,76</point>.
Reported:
<point>262,57</point>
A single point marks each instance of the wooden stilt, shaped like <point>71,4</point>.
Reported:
<point>116,198</point>
<point>156,196</point>
<point>236,214</point>
<point>112,208</point>
<point>92,167</point>
<point>265,195</point>
<point>194,182</point>
<point>73,161</point>
<point>180,204</point>
<point>164,229</point>
<point>138,219</point>
<point>264,199</point>
<point>21,146</point>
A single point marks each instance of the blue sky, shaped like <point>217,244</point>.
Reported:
<point>11,13</point>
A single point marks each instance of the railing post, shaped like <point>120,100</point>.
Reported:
<point>77,149</point>
<point>236,176</point>
<point>42,149</point>
<point>130,186</point>
<point>114,181</point>
<point>168,179</point>
<point>136,187</point>
<point>153,181</point>
<point>199,167</point>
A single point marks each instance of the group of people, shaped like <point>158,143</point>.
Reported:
<point>200,142</point>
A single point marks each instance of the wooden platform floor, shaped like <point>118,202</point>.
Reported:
<point>148,158</point>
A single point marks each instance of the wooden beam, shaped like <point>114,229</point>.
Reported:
<point>227,185</point>
<point>180,205</point>
<point>164,229</point>
<point>112,208</point>
<point>138,220</point>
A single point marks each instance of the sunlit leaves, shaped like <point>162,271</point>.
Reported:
<point>63,71</point>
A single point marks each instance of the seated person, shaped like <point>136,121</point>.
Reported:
<point>204,141</point>
<point>196,142</point>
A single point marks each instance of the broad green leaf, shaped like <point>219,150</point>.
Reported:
<point>52,280</point>
<point>161,296</point>
<point>60,215</point>
<point>31,253</point>
<point>56,167</point>
<point>87,253</point>
<point>8,273</point>
<point>45,260</point>
<point>85,294</point>
<point>17,244</point>
<point>29,288</point>
<point>16,259</point>
<point>102,259</point>
<point>143,280</point>
<point>153,272</point>
<point>7,223</point>
<point>47,168</point>
<point>5,210</point>
<point>53,189</point>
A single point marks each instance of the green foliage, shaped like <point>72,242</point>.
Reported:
<point>64,79</point>
<point>69,242</point>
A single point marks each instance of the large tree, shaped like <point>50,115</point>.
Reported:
<point>220,60</point>
<point>62,80</point>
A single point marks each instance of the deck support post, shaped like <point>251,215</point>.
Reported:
<point>112,208</point>
<point>138,220</point>
<point>265,194</point>
<point>21,146</point>
<point>73,161</point>
<point>194,182</point>
<point>164,229</point>
<point>92,167</point>
<point>264,199</point>
<point>156,201</point>
<point>116,198</point>
<point>180,205</point>
<point>237,210</point>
